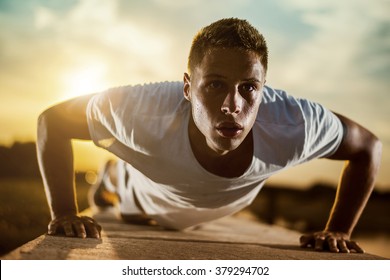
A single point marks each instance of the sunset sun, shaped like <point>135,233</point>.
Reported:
<point>83,81</point>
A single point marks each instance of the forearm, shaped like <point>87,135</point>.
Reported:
<point>362,152</point>
<point>55,157</point>
<point>355,187</point>
<point>57,126</point>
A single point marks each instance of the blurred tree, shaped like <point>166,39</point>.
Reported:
<point>19,160</point>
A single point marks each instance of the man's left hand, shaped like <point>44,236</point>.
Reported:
<point>327,240</point>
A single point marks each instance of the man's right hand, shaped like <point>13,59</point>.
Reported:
<point>75,226</point>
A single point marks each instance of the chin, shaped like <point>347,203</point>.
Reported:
<point>227,145</point>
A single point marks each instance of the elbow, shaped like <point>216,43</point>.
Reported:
<point>376,149</point>
<point>44,126</point>
<point>373,157</point>
<point>42,120</point>
<point>372,151</point>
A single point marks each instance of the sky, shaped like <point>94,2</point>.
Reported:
<point>333,52</point>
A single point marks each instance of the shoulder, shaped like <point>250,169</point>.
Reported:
<point>280,108</point>
<point>280,129</point>
<point>141,98</point>
<point>307,124</point>
<point>161,90</point>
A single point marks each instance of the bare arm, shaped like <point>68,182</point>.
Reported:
<point>57,126</point>
<point>362,152</point>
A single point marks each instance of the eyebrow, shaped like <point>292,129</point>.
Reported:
<point>214,76</point>
<point>253,80</point>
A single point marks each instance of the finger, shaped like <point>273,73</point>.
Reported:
<point>319,243</point>
<point>352,245</point>
<point>332,243</point>
<point>92,228</point>
<point>67,226</point>
<point>79,228</point>
<point>342,246</point>
<point>52,228</point>
<point>306,240</point>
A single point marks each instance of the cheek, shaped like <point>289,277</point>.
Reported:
<point>202,115</point>
<point>202,108</point>
<point>198,112</point>
<point>251,111</point>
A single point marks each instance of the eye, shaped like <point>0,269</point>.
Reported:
<point>248,87</point>
<point>215,85</point>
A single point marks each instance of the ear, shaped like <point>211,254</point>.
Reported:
<point>187,87</point>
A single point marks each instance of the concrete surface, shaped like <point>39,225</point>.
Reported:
<point>229,238</point>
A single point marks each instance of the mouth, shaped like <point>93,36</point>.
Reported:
<point>229,129</point>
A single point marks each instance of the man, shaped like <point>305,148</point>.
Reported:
<point>195,151</point>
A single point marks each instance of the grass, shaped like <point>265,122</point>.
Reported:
<point>24,212</point>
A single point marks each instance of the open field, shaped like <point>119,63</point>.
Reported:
<point>24,213</point>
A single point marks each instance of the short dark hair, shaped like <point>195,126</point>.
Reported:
<point>228,33</point>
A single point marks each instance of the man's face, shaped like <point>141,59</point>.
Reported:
<point>225,92</point>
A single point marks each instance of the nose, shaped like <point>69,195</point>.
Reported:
<point>232,104</point>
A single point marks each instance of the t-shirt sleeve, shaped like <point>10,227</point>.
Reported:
<point>113,114</point>
<point>323,131</point>
<point>116,116</point>
<point>103,117</point>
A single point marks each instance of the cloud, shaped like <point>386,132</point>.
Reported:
<point>343,30</point>
<point>340,61</point>
<point>344,63</point>
<point>50,42</point>
<point>43,45</point>
<point>334,52</point>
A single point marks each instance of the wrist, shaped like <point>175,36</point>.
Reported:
<point>338,229</point>
<point>63,213</point>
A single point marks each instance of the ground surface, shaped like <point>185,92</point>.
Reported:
<point>229,238</point>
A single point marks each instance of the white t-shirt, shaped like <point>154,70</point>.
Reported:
<point>147,126</point>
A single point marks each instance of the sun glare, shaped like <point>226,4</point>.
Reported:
<point>83,81</point>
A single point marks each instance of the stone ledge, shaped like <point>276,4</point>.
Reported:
<point>230,238</point>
